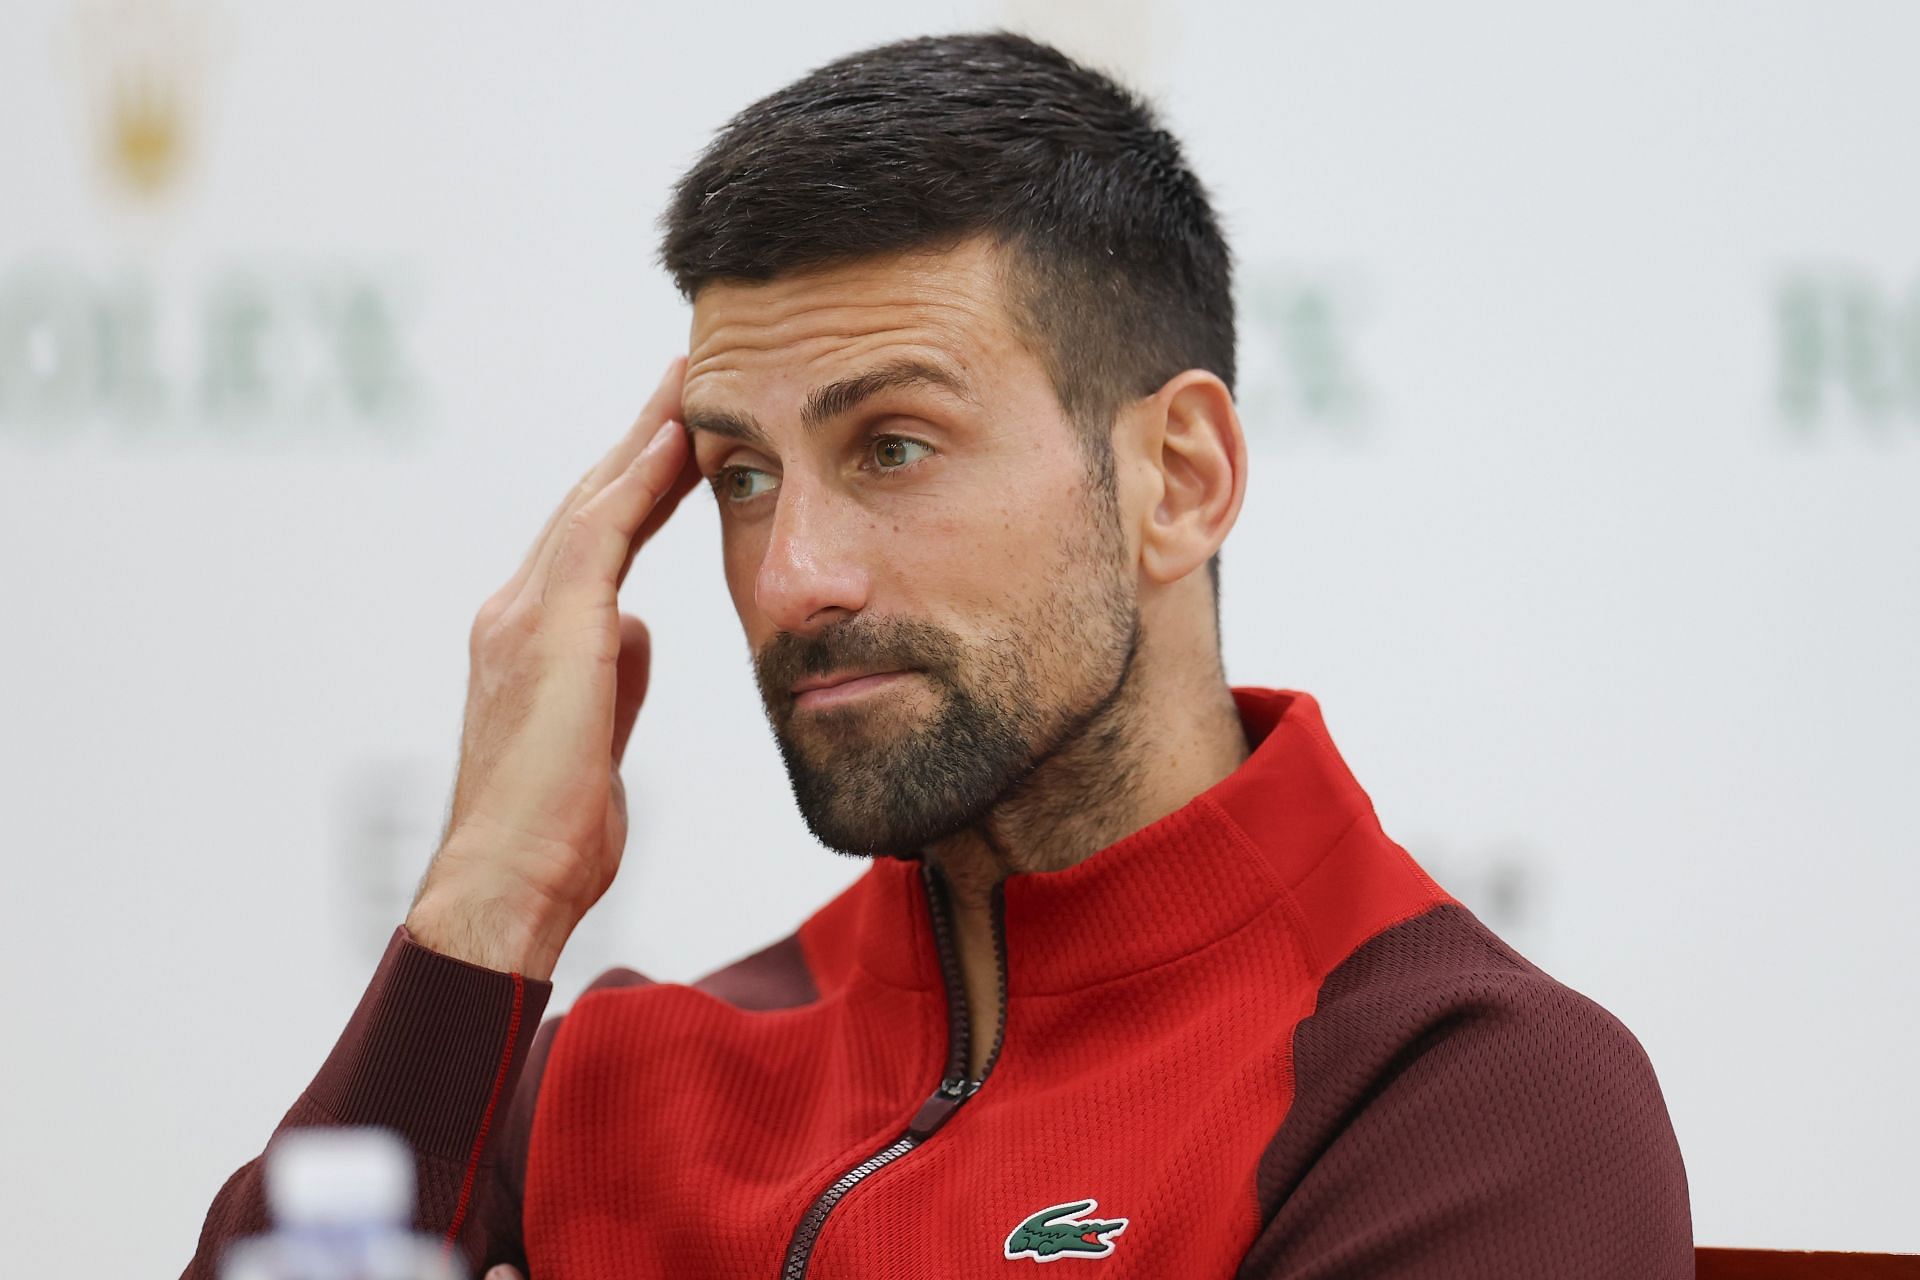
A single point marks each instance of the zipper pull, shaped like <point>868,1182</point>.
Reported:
<point>934,1111</point>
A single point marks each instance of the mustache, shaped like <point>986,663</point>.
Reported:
<point>889,644</point>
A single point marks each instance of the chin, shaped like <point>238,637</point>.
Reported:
<point>877,839</point>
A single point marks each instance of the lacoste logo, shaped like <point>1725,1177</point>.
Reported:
<point>1059,1231</point>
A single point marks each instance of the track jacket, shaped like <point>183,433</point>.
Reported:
<point>1252,1039</point>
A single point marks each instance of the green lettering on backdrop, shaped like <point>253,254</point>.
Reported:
<point>1299,378</point>
<point>257,354</point>
<point>1848,350</point>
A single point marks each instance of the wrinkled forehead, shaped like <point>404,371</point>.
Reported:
<point>764,344</point>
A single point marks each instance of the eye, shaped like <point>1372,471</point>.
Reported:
<point>727,483</point>
<point>894,453</point>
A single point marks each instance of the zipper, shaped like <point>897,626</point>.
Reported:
<point>954,1088</point>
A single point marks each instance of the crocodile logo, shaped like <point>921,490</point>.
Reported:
<point>1058,1231</point>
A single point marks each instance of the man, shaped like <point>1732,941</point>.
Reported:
<point>1134,977</point>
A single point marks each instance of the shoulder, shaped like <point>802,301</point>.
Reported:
<point>1446,1085</point>
<point>774,977</point>
<point>1442,973</point>
<point>1440,1004</point>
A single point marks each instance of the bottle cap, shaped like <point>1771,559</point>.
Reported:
<point>344,1177</point>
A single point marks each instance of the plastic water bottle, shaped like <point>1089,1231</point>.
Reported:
<point>342,1205</point>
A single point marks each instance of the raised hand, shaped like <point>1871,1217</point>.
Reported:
<point>557,675</point>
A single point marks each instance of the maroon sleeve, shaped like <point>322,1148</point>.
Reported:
<point>1459,1114</point>
<point>435,1051</point>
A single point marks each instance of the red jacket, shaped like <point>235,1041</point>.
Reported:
<point>1252,1039</point>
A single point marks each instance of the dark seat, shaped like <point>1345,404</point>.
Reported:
<point>1788,1264</point>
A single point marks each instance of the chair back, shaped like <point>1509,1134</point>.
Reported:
<point>1787,1264</point>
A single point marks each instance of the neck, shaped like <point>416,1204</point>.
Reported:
<point>1163,741</point>
<point>1159,744</point>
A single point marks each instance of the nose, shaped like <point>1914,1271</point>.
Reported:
<point>810,575</point>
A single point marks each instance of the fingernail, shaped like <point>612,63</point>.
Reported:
<point>667,429</point>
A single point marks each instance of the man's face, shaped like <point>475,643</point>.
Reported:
<point>900,491</point>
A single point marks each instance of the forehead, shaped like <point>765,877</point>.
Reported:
<point>770,341</point>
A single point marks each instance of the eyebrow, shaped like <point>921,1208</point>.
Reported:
<point>835,399</point>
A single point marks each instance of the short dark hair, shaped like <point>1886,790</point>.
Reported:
<point>1119,273</point>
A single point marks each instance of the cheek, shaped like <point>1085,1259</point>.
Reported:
<point>740,554</point>
<point>990,559</point>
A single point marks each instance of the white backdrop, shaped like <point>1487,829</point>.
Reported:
<point>1581,351</point>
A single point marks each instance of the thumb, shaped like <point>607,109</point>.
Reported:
<point>504,1272</point>
<point>636,649</point>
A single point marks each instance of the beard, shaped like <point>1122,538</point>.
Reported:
<point>872,778</point>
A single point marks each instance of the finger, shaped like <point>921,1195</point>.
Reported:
<point>661,406</point>
<point>630,689</point>
<point>590,550</point>
<point>546,531</point>
<point>504,1272</point>
<point>684,483</point>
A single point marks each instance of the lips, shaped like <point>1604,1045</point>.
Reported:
<point>838,677</point>
<point>844,688</point>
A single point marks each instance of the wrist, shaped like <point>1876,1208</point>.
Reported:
<point>491,928</point>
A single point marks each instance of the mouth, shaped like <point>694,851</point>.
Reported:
<point>843,686</point>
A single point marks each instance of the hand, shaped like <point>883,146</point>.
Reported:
<point>539,817</point>
<point>503,1272</point>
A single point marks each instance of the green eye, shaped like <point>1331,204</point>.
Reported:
<point>891,452</point>
<point>729,483</point>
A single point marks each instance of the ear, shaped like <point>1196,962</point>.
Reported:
<point>1194,458</point>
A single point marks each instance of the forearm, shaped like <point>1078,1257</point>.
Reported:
<point>434,1051</point>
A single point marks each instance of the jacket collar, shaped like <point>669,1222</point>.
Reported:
<point>1167,890</point>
